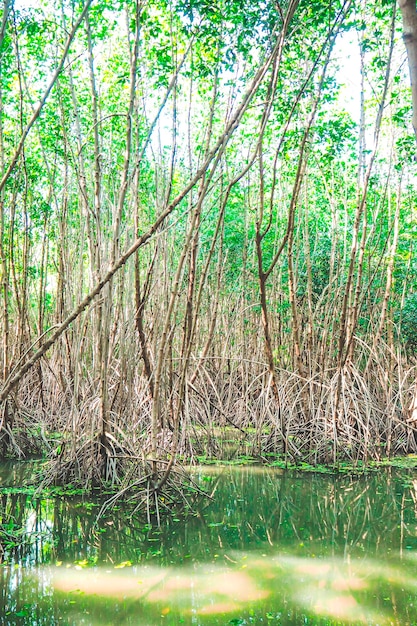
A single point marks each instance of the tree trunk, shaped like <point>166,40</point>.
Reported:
<point>409,15</point>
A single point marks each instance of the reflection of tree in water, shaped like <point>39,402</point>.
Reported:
<point>266,525</point>
<point>333,514</point>
<point>250,510</point>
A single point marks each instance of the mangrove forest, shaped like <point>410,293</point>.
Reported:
<point>208,228</point>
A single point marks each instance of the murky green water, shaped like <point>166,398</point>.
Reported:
<point>270,548</point>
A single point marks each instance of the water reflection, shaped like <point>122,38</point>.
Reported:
<point>271,548</point>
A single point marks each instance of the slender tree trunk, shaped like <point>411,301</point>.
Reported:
<point>409,16</point>
<point>350,304</point>
<point>4,266</point>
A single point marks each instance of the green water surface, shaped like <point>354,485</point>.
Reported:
<point>271,547</point>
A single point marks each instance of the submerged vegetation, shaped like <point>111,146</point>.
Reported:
<point>207,236</point>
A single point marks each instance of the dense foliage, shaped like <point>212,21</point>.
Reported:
<point>207,220</point>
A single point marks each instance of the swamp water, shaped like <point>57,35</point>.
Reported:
<point>271,547</point>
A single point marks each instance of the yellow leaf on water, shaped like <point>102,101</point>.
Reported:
<point>123,564</point>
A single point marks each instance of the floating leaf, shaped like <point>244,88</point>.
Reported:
<point>123,564</point>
